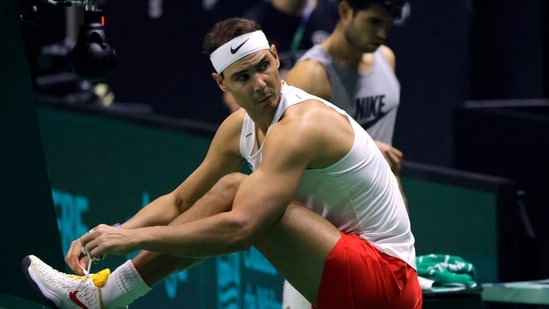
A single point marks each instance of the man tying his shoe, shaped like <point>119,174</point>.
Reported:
<point>321,203</point>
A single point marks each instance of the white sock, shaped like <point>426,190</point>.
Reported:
<point>124,286</point>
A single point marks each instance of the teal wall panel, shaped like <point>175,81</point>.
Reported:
<point>455,220</point>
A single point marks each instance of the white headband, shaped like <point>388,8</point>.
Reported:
<point>237,48</point>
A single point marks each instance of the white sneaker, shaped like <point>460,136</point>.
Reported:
<point>61,290</point>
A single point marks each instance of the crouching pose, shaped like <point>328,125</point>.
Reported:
<point>321,202</point>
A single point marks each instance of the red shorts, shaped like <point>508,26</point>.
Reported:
<point>357,276</point>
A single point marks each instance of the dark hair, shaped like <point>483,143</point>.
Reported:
<point>226,30</point>
<point>394,7</point>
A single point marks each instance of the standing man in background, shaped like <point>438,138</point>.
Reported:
<point>354,70</point>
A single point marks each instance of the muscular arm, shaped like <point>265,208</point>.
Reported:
<point>222,158</point>
<point>291,146</point>
<point>261,199</point>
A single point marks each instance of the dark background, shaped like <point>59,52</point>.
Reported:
<point>474,76</point>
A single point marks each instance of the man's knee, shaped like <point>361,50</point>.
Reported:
<point>231,181</point>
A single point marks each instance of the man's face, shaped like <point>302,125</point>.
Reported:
<point>367,29</point>
<point>254,81</point>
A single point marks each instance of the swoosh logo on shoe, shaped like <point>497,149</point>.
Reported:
<point>73,296</point>
<point>235,49</point>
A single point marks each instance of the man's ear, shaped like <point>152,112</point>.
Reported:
<point>220,81</point>
<point>274,52</point>
<point>344,10</point>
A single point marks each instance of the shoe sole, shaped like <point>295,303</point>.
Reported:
<point>25,264</point>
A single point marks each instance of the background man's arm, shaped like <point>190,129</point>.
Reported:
<point>310,76</point>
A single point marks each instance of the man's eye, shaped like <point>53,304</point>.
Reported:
<point>263,66</point>
<point>242,77</point>
<point>376,22</point>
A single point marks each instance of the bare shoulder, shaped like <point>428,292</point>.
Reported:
<point>308,121</point>
<point>227,136</point>
<point>306,113</point>
<point>233,118</point>
<point>301,122</point>
<point>223,155</point>
<point>311,76</point>
<point>304,133</point>
<point>389,55</point>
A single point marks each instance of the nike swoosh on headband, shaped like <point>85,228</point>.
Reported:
<point>234,50</point>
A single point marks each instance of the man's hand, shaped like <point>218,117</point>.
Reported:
<point>75,259</point>
<point>105,239</point>
<point>392,155</point>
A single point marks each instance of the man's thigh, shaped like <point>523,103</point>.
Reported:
<point>297,246</point>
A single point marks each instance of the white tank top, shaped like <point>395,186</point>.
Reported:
<point>358,194</point>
